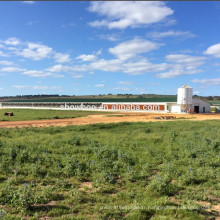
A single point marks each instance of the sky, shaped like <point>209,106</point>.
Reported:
<point>93,47</point>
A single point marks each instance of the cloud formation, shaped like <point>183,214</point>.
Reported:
<point>214,50</point>
<point>181,64</point>
<point>130,49</point>
<point>208,82</point>
<point>36,51</point>
<point>85,57</point>
<point>37,73</point>
<point>171,33</point>
<point>125,82</point>
<point>2,54</point>
<point>129,58</point>
<point>133,14</point>
<point>12,41</point>
<point>6,63</point>
<point>28,2</point>
<point>11,69</point>
<point>61,58</point>
<point>99,85</point>
<point>36,87</point>
<point>32,51</point>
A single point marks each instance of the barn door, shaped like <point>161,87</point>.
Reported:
<point>196,109</point>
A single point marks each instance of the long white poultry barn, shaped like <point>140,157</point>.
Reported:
<point>185,104</point>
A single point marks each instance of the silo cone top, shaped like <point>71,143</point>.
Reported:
<point>185,86</point>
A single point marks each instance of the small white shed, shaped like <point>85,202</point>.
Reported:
<point>200,106</point>
<point>197,106</point>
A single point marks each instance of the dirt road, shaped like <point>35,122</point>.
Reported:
<point>114,118</point>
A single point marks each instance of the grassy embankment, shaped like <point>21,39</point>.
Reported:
<point>37,114</point>
<point>214,102</point>
<point>164,170</point>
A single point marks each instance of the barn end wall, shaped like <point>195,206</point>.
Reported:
<point>202,104</point>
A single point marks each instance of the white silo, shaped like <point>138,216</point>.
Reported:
<point>184,97</point>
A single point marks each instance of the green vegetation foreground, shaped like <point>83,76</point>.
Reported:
<point>164,170</point>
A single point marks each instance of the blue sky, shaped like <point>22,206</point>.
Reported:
<point>80,48</point>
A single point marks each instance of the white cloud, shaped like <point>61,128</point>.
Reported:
<point>170,22</point>
<point>77,76</point>
<point>214,50</point>
<point>208,82</point>
<point>3,54</point>
<point>181,64</point>
<point>58,68</point>
<point>85,57</point>
<point>12,48</point>
<point>174,73</point>
<point>109,37</point>
<point>1,88</point>
<point>125,82</point>
<point>184,51</point>
<point>124,52</point>
<point>107,65</point>
<point>68,25</point>
<point>12,41</point>
<point>37,73</point>
<point>28,2</point>
<point>121,14</point>
<point>130,49</point>
<point>124,89</point>
<point>157,35</point>
<point>115,65</point>
<point>30,23</point>
<point>196,92</point>
<point>6,63</point>
<point>99,52</point>
<point>37,87</point>
<point>99,85</point>
<point>62,68</point>
<point>61,58</point>
<point>36,51</point>
<point>11,69</point>
<point>182,58</point>
<point>154,83</point>
<point>143,66</point>
<point>140,90</point>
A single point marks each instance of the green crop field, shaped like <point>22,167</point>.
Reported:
<point>163,170</point>
<point>214,101</point>
<point>37,114</point>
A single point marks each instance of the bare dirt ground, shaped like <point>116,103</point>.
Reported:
<point>112,118</point>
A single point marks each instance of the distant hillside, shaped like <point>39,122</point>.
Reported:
<point>104,98</point>
<point>100,98</point>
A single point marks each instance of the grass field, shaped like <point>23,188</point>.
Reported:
<point>37,114</point>
<point>214,101</point>
<point>163,170</point>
